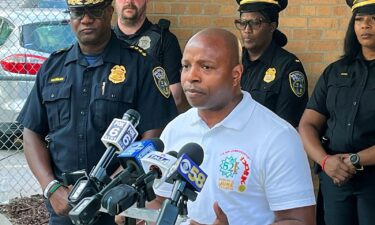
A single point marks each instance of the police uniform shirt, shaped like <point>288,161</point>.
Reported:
<point>277,80</point>
<point>148,37</point>
<point>344,94</point>
<point>73,102</point>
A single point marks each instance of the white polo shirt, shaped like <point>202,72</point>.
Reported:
<point>254,160</point>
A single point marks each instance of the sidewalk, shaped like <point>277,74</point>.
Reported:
<point>4,220</point>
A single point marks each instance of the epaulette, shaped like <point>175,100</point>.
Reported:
<point>62,50</point>
<point>139,50</point>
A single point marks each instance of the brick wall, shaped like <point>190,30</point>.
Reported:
<point>315,28</point>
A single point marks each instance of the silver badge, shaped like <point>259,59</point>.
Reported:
<point>144,42</point>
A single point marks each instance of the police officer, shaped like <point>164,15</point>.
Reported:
<point>341,109</point>
<point>77,93</point>
<point>273,76</point>
<point>134,28</point>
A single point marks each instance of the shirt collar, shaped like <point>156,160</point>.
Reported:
<point>145,26</point>
<point>110,54</point>
<point>236,119</point>
<point>266,57</point>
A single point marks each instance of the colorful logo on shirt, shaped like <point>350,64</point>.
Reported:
<point>297,83</point>
<point>234,170</point>
<point>229,166</point>
<point>117,74</point>
<point>270,75</point>
<point>161,81</point>
<point>144,42</point>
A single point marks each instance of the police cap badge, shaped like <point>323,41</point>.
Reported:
<point>256,5</point>
<point>88,3</point>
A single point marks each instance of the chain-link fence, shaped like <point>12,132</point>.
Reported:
<point>29,31</point>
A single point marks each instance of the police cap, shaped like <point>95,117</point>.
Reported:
<point>256,5</point>
<point>362,6</point>
<point>88,3</point>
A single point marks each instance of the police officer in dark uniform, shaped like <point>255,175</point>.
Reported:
<point>341,112</point>
<point>273,76</point>
<point>134,28</point>
<point>77,93</point>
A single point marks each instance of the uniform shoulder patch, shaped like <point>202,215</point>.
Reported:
<point>297,83</point>
<point>161,81</point>
<point>62,50</point>
<point>139,50</point>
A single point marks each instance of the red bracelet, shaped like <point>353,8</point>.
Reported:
<point>324,161</point>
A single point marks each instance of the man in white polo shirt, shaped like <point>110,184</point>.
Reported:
<point>258,172</point>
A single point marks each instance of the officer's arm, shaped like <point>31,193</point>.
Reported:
<point>39,161</point>
<point>37,157</point>
<point>297,216</point>
<point>151,133</point>
<point>293,95</point>
<point>367,156</point>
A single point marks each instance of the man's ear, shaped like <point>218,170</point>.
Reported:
<point>236,74</point>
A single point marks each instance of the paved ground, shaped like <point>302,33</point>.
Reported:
<point>16,179</point>
<point>4,220</point>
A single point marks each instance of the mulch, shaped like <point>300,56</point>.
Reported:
<point>26,211</point>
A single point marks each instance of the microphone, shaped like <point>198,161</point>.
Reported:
<point>187,178</point>
<point>123,196</point>
<point>131,158</point>
<point>118,136</point>
<point>87,209</point>
<point>158,164</point>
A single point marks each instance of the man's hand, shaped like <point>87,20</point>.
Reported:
<point>120,220</point>
<point>338,170</point>
<point>221,217</point>
<point>59,201</point>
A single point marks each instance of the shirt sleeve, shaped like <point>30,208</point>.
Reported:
<point>172,58</point>
<point>318,98</point>
<point>293,95</point>
<point>154,102</point>
<point>286,172</point>
<point>33,114</point>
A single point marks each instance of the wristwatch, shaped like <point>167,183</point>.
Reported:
<point>354,159</point>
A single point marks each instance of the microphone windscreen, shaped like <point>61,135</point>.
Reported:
<point>132,116</point>
<point>172,153</point>
<point>159,145</point>
<point>194,151</point>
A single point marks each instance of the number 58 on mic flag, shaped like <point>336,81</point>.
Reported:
<point>189,170</point>
<point>120,133</point>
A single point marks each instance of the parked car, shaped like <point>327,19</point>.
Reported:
<point>27,38</point>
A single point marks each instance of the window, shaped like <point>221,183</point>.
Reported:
<point>47,37</point>
<point>5,30</point>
